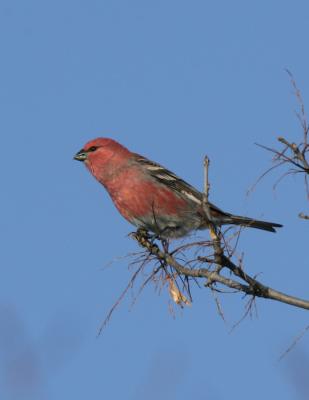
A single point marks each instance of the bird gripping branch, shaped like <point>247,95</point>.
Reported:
<point>153,198</point>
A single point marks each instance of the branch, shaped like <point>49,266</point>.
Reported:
<point>296,156</point>
<point>252,287</point>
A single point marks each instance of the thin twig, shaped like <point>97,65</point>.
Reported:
<point>251,286</point>
<point>206,178</point>
<point>294,343</point>
<point>118,301</point>
<point>292,154</point>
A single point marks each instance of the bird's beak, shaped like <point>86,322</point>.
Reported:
<point>81,155</point>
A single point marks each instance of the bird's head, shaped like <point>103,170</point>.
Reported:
<point>102,155</point>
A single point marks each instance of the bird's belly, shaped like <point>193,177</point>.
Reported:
<point>156,209</point>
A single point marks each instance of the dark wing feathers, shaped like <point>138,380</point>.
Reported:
<point>181,187</point>
<point>189,193</point>
<point>171,180</point>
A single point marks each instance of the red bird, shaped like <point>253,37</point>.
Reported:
<point>152,197</point>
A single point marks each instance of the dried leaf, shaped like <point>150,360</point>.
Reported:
<point>178,297</point>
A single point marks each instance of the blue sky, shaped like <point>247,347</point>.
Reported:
<point>172,80</point>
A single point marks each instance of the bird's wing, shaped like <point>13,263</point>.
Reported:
<point>172,181</point>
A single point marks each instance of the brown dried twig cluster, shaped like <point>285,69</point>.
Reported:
<point>292,155</point>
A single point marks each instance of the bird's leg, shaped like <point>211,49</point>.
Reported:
<point>169,232</point>
<point>165,244</point>
<point>157,236</point>
<point>142,232</point>
<point>152,237</point>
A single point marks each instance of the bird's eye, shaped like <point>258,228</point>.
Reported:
<point>92,148</point>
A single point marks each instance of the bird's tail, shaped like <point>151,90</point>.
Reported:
<point>254,223</point>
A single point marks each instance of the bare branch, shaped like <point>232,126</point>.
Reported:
<point>118,301</point>
<point>206,183</point>
<point>294,343</point>
<point>251,287</point>
<point>293,155</point>
<point>301,114</point>
<point>248,311</point>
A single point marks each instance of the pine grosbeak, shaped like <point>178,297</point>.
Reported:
<point>152,197</point>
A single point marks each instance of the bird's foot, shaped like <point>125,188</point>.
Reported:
<point>143,235</point>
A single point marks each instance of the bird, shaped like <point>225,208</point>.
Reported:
<point>151,197</point>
